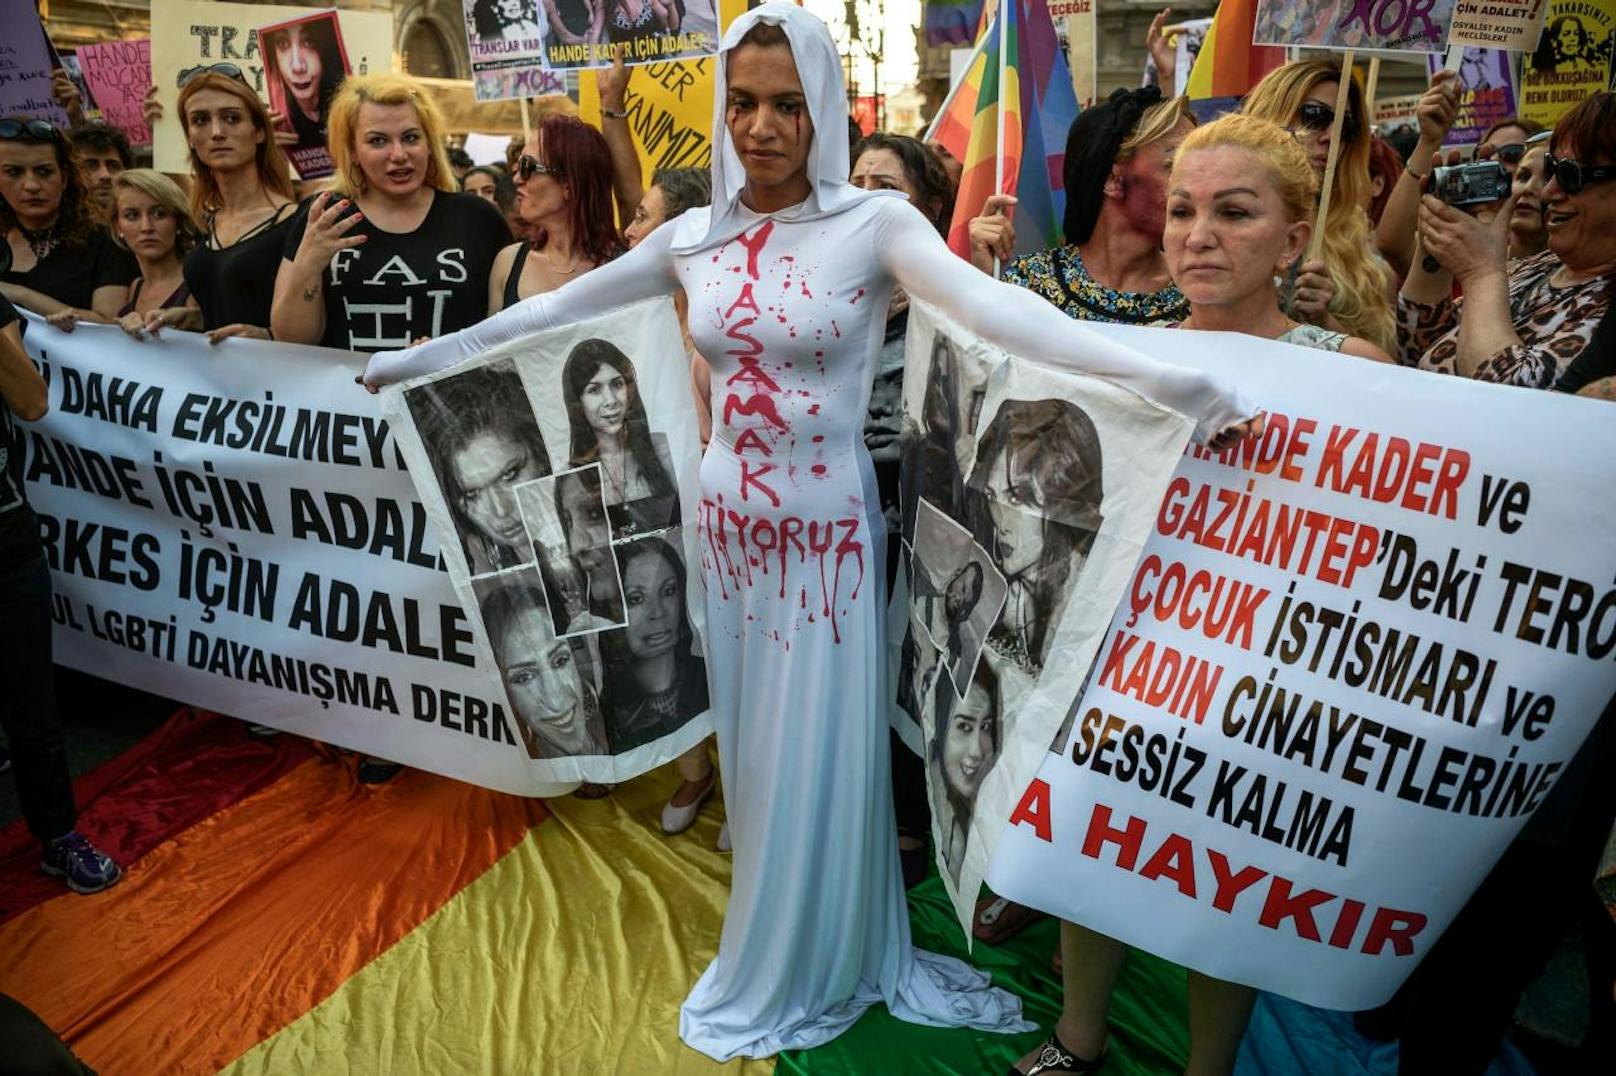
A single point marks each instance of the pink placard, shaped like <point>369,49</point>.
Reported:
<point>118,73</point>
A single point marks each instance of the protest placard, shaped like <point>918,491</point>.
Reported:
<point>189,35</point>
<point>1486,92</point>
<point>512,41</point>
<point>1572,59</point>
<point>118,74</point>
<point>1355,656</point>
<point>1393,112</point>
<point>1497,24</point>
<point>304,61</point>
<point>1354,24</point>
<point>26,60</point>
<point>1075,27</point>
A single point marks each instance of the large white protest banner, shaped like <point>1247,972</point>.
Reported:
<point>235,527</point>
<point>1353,659</point>
<point>1027,495</point>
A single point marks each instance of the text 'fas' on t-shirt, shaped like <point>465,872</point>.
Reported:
<point>396,287</point>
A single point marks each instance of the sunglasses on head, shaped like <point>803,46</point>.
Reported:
<point>1574,175</point>
<point>15,130</point>
<point>228,70</point>
<point>528,167</point>
<point>1318,117</point>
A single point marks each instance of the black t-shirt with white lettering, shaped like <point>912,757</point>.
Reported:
<point>19,530</point>
<point>398,286</point>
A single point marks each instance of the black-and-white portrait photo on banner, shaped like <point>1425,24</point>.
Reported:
<point>552,685</point>
<point>557,468</point>
<point>565,519</point>
<point>1029,493</point>
<point>956,593</point>
<point>658,677</point>
<point>482,440</point>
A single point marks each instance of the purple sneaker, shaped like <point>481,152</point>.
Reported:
<point>85,868</point>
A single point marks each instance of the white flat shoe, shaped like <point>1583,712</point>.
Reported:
<point>723,839</point>
<point>679,819</point>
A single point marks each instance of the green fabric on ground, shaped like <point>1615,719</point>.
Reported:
<point>1149,1029</point>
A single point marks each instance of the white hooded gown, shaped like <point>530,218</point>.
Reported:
<point>790,309</point>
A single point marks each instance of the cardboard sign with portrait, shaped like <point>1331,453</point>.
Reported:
<point>1394,25</point>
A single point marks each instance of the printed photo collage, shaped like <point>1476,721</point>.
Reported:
<point>565,501</point>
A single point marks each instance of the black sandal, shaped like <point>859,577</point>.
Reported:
<point>1054,1056</point>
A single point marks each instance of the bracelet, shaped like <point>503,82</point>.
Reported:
<point>614,114</point>
<point>1408,166</point>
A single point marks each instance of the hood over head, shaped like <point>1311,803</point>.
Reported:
<point>819,66</point>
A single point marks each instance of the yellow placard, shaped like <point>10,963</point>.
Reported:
<point>1572,61</point>
<point>669,106</point>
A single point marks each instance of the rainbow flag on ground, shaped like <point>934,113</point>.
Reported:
<point>1229,65</point>
<point>952,22</point>
<point>1032,88</point>
<point>278,917</point>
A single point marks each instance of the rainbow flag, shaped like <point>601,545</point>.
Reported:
<point>952,22</point>
<point>1229,65</point>
<point>1029,100</point>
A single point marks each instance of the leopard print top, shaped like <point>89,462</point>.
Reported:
<point>1554,323</point>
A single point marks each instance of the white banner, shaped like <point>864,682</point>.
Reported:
<point>1351,662</point>
<point>564,465</point>
<point>1027,496</point>
<point>234,527</point>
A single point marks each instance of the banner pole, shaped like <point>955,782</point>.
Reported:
<point>998,142</point>
<point>1370,85</point>
<point>1343,88</point>
<point>527,125</point>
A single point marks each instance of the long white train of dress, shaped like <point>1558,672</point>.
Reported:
<point>791,315</point>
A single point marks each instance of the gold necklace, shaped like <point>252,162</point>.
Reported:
<point>554,268</point>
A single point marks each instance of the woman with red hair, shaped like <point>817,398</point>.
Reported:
<point>564,194</point>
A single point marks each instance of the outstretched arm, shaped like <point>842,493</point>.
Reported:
<point>1025,325</point>
<point>643,273</point>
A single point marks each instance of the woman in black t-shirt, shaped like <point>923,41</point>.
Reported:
<point>564,193</point>
<point>62,259</point>
<point>242,196</point>
<point>395,252</point>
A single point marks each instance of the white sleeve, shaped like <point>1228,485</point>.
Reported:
<point>1027,326</point>
<point>643,273</point>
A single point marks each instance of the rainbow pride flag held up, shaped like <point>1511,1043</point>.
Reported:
<point>1229,65</point>
<point>1034,91</point>
<point>952,22</point>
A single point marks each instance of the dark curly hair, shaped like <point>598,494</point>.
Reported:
<point>923,170</point>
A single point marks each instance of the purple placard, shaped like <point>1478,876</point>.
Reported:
<point>1486,93</point>
<point>25,65</point>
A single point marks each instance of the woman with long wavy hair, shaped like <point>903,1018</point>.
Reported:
<point>1349,289</point>
<point>609,426</point>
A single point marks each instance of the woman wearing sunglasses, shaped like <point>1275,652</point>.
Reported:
<point>63,260</point>
<point>395,251</point>
<point>564,195</point>
<point>1349,289</point>
<point>1520,324</point>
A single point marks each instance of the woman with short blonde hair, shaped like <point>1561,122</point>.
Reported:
<point>151,220</point>
<point>1349,289</point>
<point>395,251</point>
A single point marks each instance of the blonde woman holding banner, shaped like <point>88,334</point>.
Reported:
<point>1349,288</point>
<point>817,929</point>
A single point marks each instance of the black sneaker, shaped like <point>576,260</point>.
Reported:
<point>84,867</point>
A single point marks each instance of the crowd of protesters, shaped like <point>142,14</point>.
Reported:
<point>1168,222</point>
